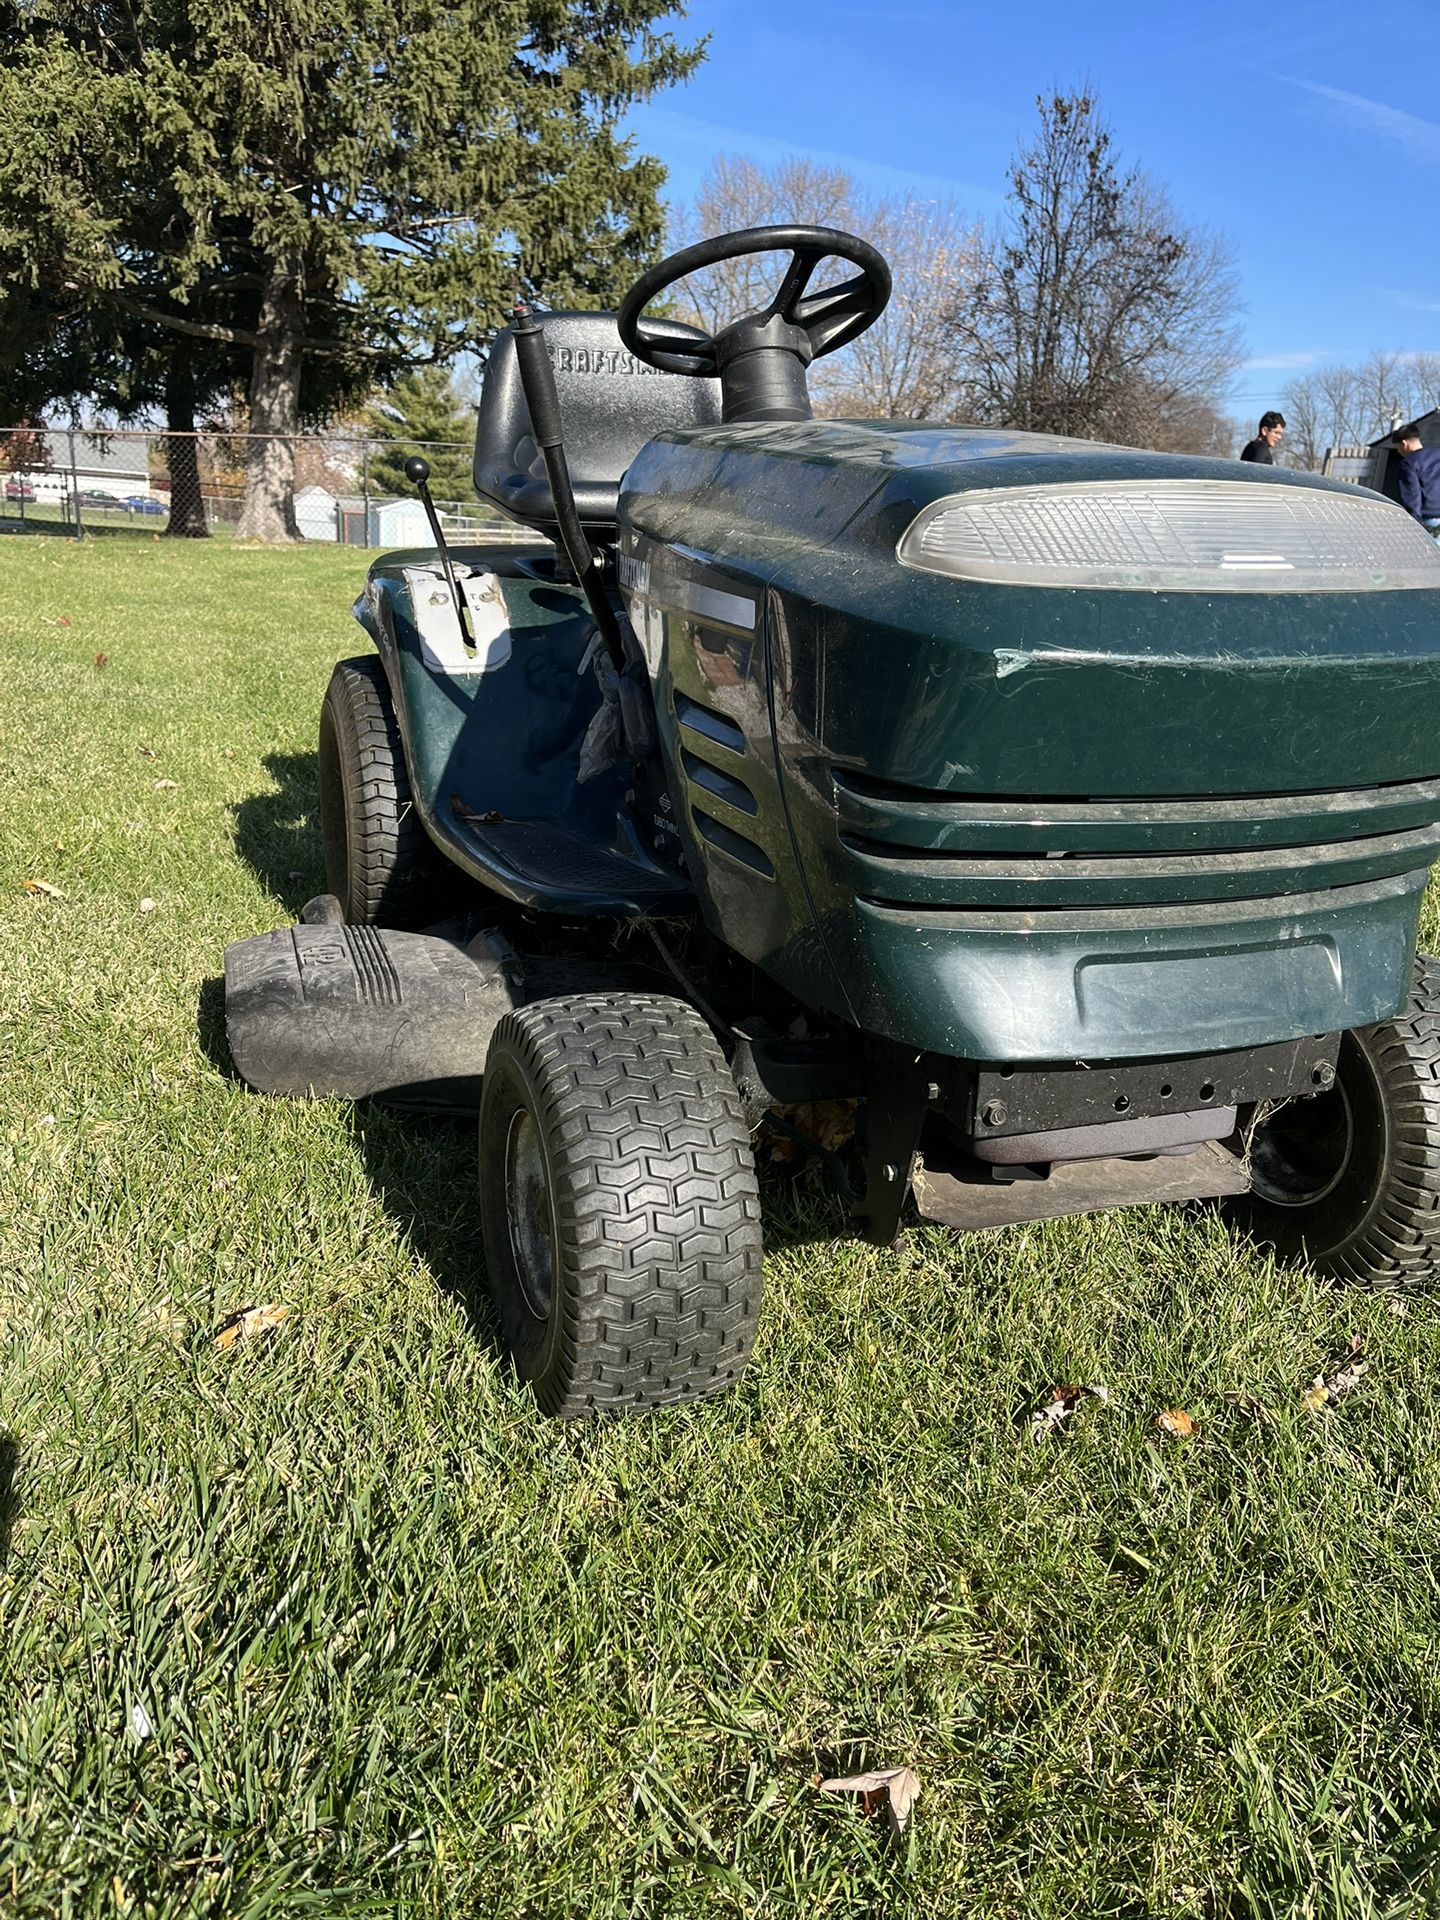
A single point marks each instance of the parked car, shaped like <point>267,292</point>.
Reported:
<point>142,503</point>
<point>19,490</point>
<point>98,497</point>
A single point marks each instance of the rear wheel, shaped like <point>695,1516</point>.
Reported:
<point>619,1202</point>
<point>379,861</point>
<point>1350,1178</point>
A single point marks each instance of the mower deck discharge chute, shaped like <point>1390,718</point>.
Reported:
<point>1065,807</point>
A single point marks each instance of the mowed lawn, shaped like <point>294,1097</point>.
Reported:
<point>331,1622</point>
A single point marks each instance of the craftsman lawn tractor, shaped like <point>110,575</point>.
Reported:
<point>1065,808</point>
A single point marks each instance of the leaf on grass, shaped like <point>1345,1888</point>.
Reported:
<point>1348,1378</point>
<point>64,622</point>
<point>146,753</point>
<point>245,1325</point>
<point>1176,1422</point>
<point>1060,1403</point>
<point>1339,1380</point>
<point>164,786</point>
<point>891,1790</point>
<point>102,659</point>
<point>44,886</point>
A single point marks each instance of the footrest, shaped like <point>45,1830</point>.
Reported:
<point>542,864</point>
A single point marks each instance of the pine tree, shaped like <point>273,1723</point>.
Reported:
<point>360,183</point>
<point>421,413</point>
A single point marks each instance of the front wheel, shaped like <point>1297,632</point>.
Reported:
<point>1350,1178</point>
<point>619,1203</point>
<point>380,863</point>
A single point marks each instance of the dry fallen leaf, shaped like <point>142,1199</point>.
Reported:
<point>1339,1381</point>
<point>44,886</point>
<point>161,786</point>
<point>891,1789</point>
<point>1176,1422</point>
<point>62,621</point>
<point>1347,1378</point>
<point>246,1325</point>
<point>1060,1403</point>
<point>102,659</point>
<point>146,753</point>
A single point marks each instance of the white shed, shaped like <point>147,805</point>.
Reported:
<point>315,513</point>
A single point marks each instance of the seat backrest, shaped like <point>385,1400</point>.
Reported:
<point>610,405</point>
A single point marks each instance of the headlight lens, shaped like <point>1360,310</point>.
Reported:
<point>1174,536</point>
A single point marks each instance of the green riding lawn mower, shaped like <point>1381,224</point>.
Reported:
<point>1066,808</point>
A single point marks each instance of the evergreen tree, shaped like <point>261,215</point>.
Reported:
<point>360,183</point>
<point>421,413</point>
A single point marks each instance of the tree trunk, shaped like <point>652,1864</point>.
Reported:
<point>268,509</point>
<point>187,507</point>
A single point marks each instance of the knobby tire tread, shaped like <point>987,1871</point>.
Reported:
<point>657,1254</point>
<point>1399,1244</point>
<point>394,873</point>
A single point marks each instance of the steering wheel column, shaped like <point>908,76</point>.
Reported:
<point>763,358</point>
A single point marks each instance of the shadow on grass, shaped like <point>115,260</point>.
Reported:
<point>421,1166</point>
<point>277,834</point>
<point>9,1498</point>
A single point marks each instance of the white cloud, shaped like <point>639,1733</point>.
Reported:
<point>688,143</point>
<point>1420,138</point>
<point>1283,362</point>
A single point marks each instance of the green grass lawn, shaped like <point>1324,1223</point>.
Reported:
<point>332,1622</point>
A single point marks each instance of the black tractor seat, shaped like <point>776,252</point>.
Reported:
<point>611,404</point>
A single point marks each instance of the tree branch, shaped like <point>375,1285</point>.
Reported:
<point>238,336</point>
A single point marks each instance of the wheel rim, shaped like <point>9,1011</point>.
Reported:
<point>1302,1152</point>
<point>527,1211</point>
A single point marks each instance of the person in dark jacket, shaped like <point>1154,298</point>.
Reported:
<point>1262,448</point>
<point>1418,480</point>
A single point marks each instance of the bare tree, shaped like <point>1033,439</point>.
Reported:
<point>1385,391</point>
<point>903,367</point>
<point>1340,387</point>
<point>1307,420</point>
<point>1096,311</point>
<point>737,194</point>
<point>1424,382</point>
<point>1348,406</point>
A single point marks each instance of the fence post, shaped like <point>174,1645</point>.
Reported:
<point>365,489</point>
<point>75,489</point>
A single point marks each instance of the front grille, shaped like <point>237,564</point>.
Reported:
<point>906,846</point>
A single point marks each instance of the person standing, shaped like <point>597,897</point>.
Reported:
<point>1262,448</point>
<point>1418,479</point>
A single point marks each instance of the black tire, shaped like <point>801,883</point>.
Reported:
<point>1350,1179</point>
<point>380,863</point>
<point>619,1201</point>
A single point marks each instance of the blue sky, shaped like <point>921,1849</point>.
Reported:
<point>1309,134</point>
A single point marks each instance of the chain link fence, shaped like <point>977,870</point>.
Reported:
<point>112,481</point>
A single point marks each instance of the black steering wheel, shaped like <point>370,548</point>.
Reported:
<point>795,328</point>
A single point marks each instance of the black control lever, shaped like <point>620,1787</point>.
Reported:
<point>537,378</point>
<point>417,472</point>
